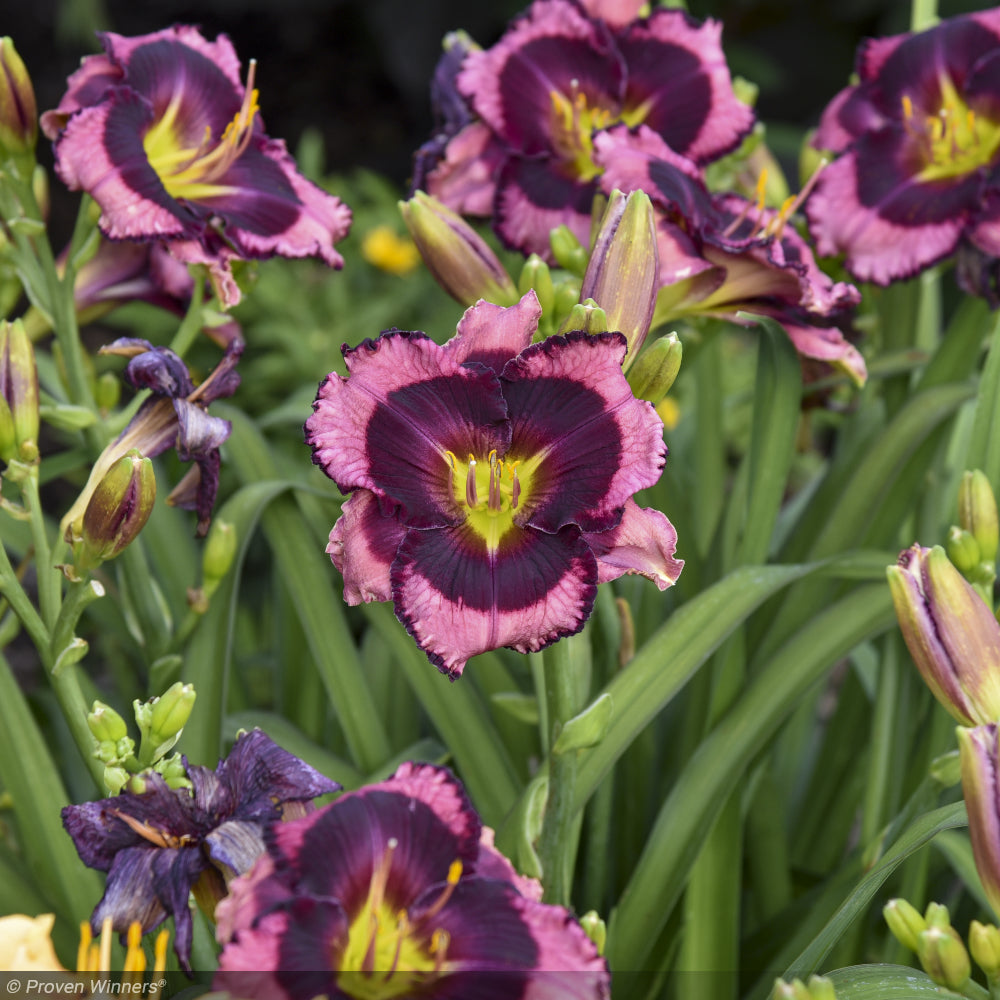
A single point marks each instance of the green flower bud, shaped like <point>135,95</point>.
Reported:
<point>653,374</point>
<point>586,316</point>
<point>173,772</point>
<point>944,957</point>
<point>218,556</point>
<point>937,915</point>
<point>18,111</point>
<point>984,943</point>
<point>459,258</point>
<point>623,273</point>
<point>595,929</point>
<point>536,274</point>
<point>171,712</point>
<point>568,251</point>
<point>115,779</point>
<point>905,922</point>
<point>795,990</point>
<point>977,514</point>
<point>106,724</point>
<point>18,394</point>
<point>821,988</point>
<point>963,551</point>
<point>117,510</point>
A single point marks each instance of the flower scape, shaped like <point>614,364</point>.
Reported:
<point>579,662</point>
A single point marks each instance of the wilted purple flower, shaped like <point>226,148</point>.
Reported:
<point>721,254</point>
<point>951,634</point>
<point>162,844</point>
<point>919,135</point>
<point>558,78</point>
<point>175,416</point>
<point>164,136</point>
<point>392,891</point>
<point>491,480</point>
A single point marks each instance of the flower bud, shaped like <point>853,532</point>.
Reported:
<point>117,510</point>
<point>952,635</point>
<point>587,317</point>
<point>795,990</point>
<point>984,944</point>
<point>459,258</point>
<point>106,724</point>
<point>171,712</point>
<point>977,514</point>
<point>536,274</point>
<point>963,551</point>
<point>937,915</point>
<point>623,274</point>
<point>220,551</point>
<point>568,251</point>
<point>18,111</point>
<point>115,779</point>
<point>595,929</point>
<point>656,369</point>
<point>980,756</point>
<point>18,394</point>
<point>904,921</point>
<point>944,958</point>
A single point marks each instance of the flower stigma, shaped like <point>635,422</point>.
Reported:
<point>956,140</point>
<point>388,952</point>
<point>193,172</point>
<point>491,492</point>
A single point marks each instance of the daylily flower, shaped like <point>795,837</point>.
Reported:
<point>162,844</point>
<point>721,254</point>
<point>26,944</point>
<point>920,138</point>
<point>174,416</point>
<point>162,133</point>
<point>491,480</point>
<point>559,77</point>
<point>951,633</point>
<point>391,891</point>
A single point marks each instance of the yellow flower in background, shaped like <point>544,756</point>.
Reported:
<point>384,248</point>
<point>669,412</point>
<point>26,944</point>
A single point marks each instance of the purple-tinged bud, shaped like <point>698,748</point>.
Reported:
<point>656,369</point>
<point>980,756</point>
<point>952,635</point>
<point>623,274</point>
<point>944,957</point>
<point>117,510</point>
<point>905,921</point>
<point>18,111</point>
<point>459,258</point>
<point>984,944</point>
<point>977,514</point>
<point>18,394</point>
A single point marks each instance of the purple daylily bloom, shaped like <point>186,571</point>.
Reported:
<point>559,77</point>
<point>491,480</point>
<point>721,254</point>
<point>919,134</point>
<point>394,887</point>
<point>159,845</point>
<point>164,136</point>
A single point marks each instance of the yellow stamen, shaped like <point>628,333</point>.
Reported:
<point>104,960</point>
<point>160,951</point>
<point>907,107</point>
<point>135,957</point>
<point>83,950</point>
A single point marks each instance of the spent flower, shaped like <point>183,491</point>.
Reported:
<point>491,480</point>
<point>161,131</point>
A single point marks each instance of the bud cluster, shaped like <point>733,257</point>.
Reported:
<point>937,944</point>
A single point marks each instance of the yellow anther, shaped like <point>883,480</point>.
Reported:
<point>761,189</point>
<point>454,872</point>
<point>452,461</point>
<point>907,107</point>
<point>160,951</point>
<point>83,951</point>
<point>135,957</point>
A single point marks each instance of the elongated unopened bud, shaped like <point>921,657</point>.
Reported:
<point>984,944</point>
<point>18,394</point>
<point>653,374</point>
<point>905,921</point>
<point>459,258</point>
<point>18,110</point>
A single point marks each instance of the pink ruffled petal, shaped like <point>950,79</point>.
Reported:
<point>491,335</point>
<point>362,546</point>
<point>827,344</point>
<point>644,542</point>
<point>465,179</point>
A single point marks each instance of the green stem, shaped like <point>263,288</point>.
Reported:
<point>923,14</point>
<point>191,324</point>
<point>49,578</point>
<point>563,664</point>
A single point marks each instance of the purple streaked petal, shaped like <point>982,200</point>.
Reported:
<point>363,544</point>
<point>677,69</point>
<point>552,49</point>
<point>570,401</point>
<point>643,542</point>
<point>236,845</point>
<point>456,599</point>
<point>85,87</point>
<point>846,117</point>
<point>159,370</point>
<point>127,896</point>
<point>100,151</point>
<point>826,344</point>
<point>878,249</point>
<point>492,335</point>
<point>198,432</point>
<point>533,197</point>
<point>388,426</point>
<point>465,178</point>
